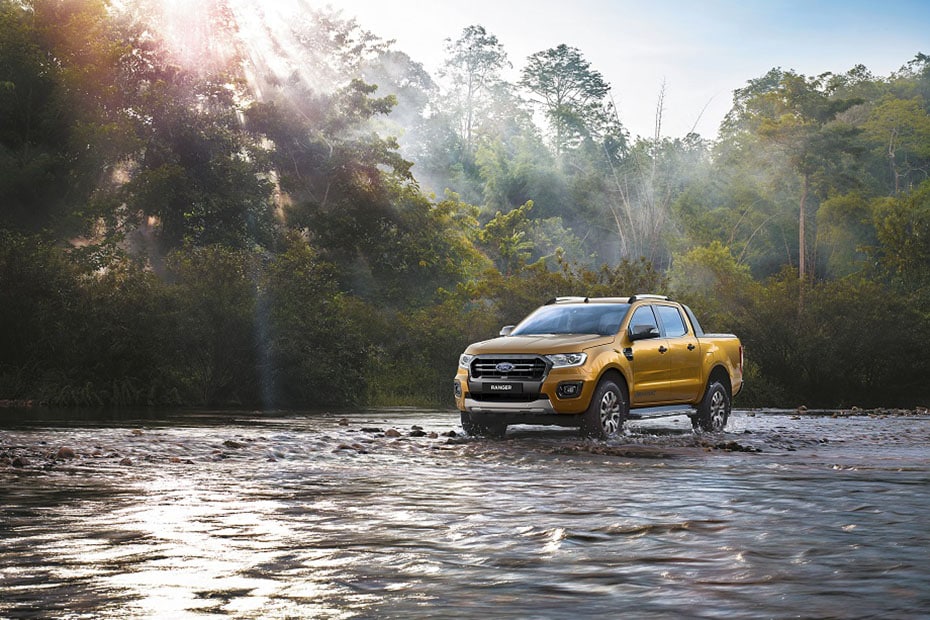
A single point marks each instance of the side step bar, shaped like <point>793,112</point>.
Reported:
<point>660,412</point>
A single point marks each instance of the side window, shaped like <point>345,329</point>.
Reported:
<point>672,322</point>
<point>643,316</point>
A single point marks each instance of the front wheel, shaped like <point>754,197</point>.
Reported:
<point>607,412</point>
<point>714,410</point>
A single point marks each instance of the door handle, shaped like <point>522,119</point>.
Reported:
<point>662,349</point>
<point>691,347</point>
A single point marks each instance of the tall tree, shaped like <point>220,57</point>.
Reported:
<point>569,90</point>
<point>474,64</point>
<point>793,113</point>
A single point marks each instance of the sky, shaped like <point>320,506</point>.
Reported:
<point>701,50</point>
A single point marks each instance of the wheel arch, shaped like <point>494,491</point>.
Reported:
<point>605,417</point>
<point>612,372</point>
<point>719,373</point>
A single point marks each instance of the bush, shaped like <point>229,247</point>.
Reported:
<point>314,342</point>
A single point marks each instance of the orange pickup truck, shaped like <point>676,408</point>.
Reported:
<point>595,362</point>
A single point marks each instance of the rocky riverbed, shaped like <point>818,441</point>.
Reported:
<point>145,446</point>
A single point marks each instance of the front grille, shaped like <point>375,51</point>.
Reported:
<point>520,368</point>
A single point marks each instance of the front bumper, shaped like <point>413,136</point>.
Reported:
<point>540,405</point>
<point>564,391</point>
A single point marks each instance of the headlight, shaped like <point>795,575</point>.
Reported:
<point>561,360</point>
<point>465,360</point>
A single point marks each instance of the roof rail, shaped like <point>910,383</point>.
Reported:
<point>561,300</point>
<point>648,296</point>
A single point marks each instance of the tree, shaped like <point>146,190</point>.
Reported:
<point>901,130</point>
<point>198,178</point>
<point>474,64</point>
<point>710,278</point>
<point>215,292</point>
<point>312,351</point>
<point>569,90</point>
<point>913,79</point>
<point>643,187</point>
<point>396,74</point>
<point>902,226</point>
<point>793,113</point>
<point>61,125</point>
<point>506,237</point>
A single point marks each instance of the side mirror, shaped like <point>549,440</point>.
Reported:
<point>643,332</point>
<point>506,329</point>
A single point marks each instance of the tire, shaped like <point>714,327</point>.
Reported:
<point>474,428</point>
<point>607,412</point>
<point>714,410</point>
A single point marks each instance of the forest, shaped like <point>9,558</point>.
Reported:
<point>298,215</point>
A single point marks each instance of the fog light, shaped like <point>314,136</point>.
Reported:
<point>570,389</point>
<point>458,389</point>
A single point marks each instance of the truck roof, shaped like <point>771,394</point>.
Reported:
<point>604,300</point>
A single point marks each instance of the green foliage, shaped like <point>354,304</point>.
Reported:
<point>902,226</point>
<point>840,350</point>
<point>899,129</point>
<point>512,297</point>
<point>45,172</point>
<point>314,349</point>
<point>37,312</point>
<point>75,336</point>
<point>418,351</point>
<point>845,231</point>
<point>798,117</point>
<point>214,296</point>
<point>475,61</point>
<point>240,231</point>
<point>709,279</point>
<point>505,236</point>
<point>570,92</point>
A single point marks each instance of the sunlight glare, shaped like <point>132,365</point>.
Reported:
<point>267,41</point>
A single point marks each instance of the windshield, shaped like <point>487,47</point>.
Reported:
<point>601,319</point>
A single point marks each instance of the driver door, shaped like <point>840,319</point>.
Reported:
<point>650,362</point>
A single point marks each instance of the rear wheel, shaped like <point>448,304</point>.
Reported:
<point>714,410</point>
<point>479,428</point>
<point>608,409</point>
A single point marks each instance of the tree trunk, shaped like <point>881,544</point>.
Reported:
<point>802,230</point>
<point>802,245</point>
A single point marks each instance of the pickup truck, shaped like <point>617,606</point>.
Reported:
<point>595,362</point>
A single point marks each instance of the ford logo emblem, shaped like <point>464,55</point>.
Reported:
<point>504,367</point>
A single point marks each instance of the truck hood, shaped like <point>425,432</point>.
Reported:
<point>539,344</point>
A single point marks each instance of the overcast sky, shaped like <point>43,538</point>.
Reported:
<point>702,49</point>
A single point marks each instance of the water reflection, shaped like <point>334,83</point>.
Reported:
<point>333,517</point>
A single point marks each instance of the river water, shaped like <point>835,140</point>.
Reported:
<point>395,514</point>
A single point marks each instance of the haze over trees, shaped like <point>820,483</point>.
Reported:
<point>244,209</point>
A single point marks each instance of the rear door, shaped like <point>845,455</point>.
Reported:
<point>683,356</point>
<point>650,364</point>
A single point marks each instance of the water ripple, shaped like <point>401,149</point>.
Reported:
<point>396,514</point>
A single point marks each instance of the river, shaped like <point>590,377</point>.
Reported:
<point>395,514</point>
